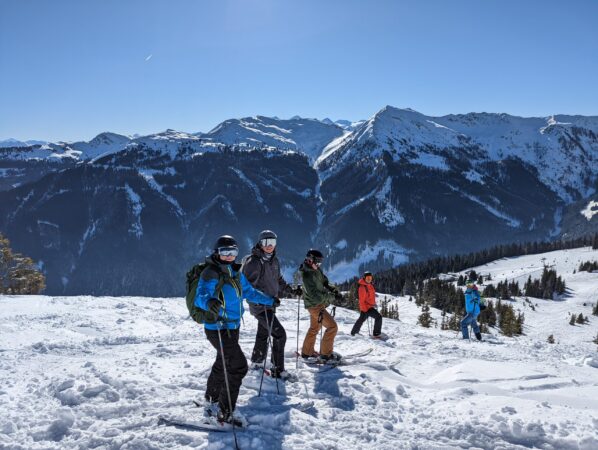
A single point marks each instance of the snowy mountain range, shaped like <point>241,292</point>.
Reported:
<point>97,372</point>
<point>399,186</point>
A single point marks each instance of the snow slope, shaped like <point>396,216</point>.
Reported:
<point>94,372</point>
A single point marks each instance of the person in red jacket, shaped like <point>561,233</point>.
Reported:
<point>367,306</point>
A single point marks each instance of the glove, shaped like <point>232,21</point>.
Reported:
<point>276,302</point>
<point>298,291</point>
<point>214,306</point>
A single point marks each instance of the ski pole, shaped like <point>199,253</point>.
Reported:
<point>269,327</point>
<point>320,319</point>
<point>230,403</point>
<point>272,351</point>
<point>369,329</point>
<point>297,350</point>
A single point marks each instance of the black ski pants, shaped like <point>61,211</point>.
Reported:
<point>372,312</point>
<point>236,368</point>
<point>279,338</point>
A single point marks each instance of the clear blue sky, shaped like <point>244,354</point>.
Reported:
<point>72,69</point>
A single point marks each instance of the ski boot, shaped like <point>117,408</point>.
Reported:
<point>284,375</point>
<point>333,358</point>
<point>236,418</point>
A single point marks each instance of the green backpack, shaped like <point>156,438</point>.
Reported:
<point>197,314</point>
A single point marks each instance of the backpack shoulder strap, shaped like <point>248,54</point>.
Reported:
<point>222,277</point>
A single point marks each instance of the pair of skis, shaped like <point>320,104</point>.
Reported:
<point>344,361</point>
<point>211,424</point>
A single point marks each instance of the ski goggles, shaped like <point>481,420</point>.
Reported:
<point>228,251</point>
<point>316,259</point>
<point>268,242</point>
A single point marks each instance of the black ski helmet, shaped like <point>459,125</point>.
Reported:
<point>367,273</point>
<point>225,241</point>
<point>267,234</point>
<point>314,255</point>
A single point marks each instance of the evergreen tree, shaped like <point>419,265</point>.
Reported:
<point>508,323</point>
<point>595,339</point>
<point>519,323</point>
<point>551,339</point>
<point>588,266</point>
<point>352,297</point>
<point>580,319</point>
<point>503,290</point>
<point>572,319</point>
<point>490,291</point>
<point>18,273</point>
<point>461,281</point>
<point>425,318</point>
<point>595,310</point>
<point>454,323</point>
<point>488,316</point>
<point>514,289</point>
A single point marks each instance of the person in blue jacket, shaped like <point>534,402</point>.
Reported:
<point>220,292</point>
<point>472,308</point>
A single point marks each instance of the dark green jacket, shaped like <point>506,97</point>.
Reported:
<point>316,288</point>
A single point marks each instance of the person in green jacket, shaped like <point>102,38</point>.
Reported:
<point>318,293</point>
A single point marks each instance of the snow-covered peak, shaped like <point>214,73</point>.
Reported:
<point>308,136</point>
<point>103,144</point>
<point>169,141</point>
<point>563,148</point>
<point>10,142</point>
<point>349,125</point>
<point>390,129</point>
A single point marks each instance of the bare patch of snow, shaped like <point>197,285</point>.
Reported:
<point>590,210</point>
<point>136,207</point>
<point>341,245</point>
<point>474,176</point>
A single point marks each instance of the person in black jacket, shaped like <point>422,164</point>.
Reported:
<point>262,270</point>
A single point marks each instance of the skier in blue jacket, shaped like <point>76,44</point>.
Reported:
<point>472,308</point>
<point>225,304</point>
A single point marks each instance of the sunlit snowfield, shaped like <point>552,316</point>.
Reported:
<point>96,372</point>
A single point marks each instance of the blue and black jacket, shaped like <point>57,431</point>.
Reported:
<point>232,293</point>
<point>472,301</point>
